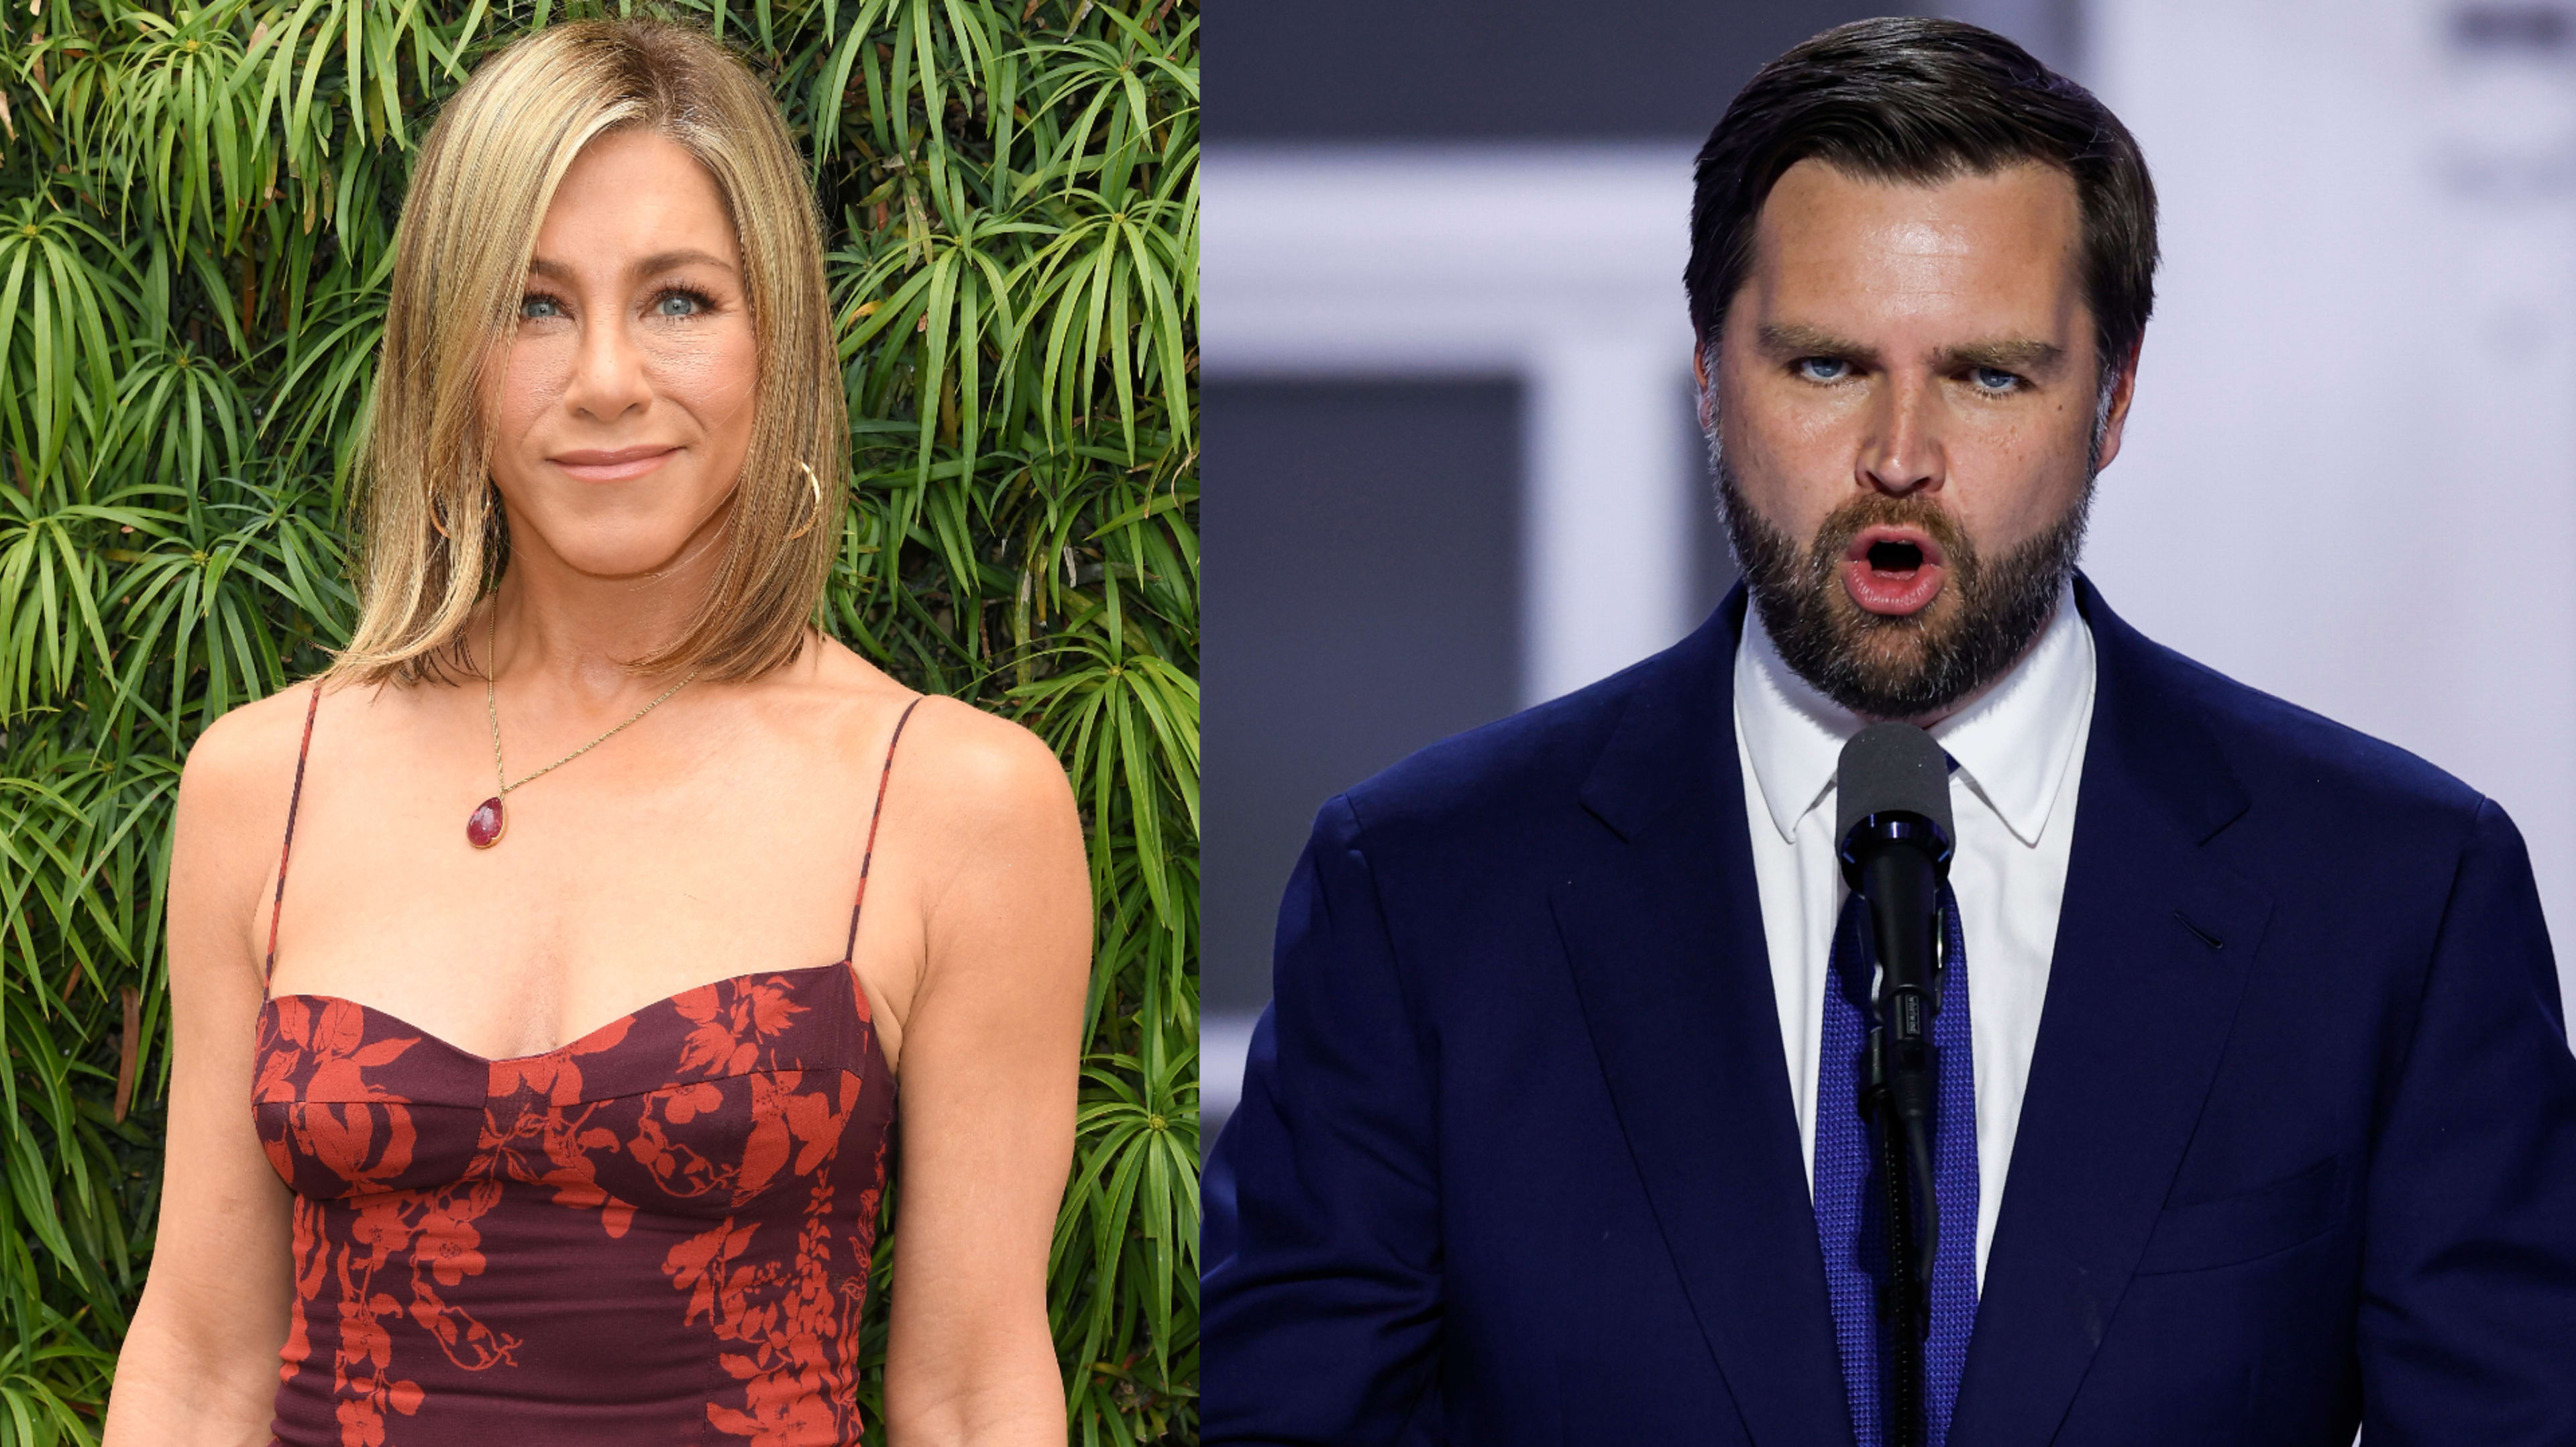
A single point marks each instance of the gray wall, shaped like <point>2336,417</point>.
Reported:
<point>1362,534</point>
<point>1360,541</point>
<point>1501,70</point>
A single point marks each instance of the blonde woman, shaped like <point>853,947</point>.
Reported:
<point>543,973</point>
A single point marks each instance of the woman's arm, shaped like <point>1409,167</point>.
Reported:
<point>199,1365</point>
<point>991,1057</point>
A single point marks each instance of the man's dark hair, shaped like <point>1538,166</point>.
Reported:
<point>1923,101</point>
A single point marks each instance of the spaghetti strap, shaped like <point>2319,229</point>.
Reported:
<point>286,850</point>
<point>876,814</point>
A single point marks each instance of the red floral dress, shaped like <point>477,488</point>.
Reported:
<point>657,1234</point>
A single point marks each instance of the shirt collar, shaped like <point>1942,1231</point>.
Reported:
<point>2011,746</point>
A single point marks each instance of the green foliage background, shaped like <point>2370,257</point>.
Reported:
<point>196,212</point>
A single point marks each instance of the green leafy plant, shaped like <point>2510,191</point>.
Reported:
<point>197,206</point>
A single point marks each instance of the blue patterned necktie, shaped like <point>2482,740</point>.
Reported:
<point>1847,1221</point>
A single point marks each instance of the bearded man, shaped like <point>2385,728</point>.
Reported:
<point>2264,1123</point>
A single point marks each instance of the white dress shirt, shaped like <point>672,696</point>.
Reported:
<point>2020,752</point>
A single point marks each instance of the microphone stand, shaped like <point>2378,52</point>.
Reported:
<point>1904,1302</point>
<point>1893,860</point>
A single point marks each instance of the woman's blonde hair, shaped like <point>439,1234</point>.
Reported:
<point>435,536</point>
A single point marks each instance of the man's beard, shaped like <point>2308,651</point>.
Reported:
<point>1899,667</point>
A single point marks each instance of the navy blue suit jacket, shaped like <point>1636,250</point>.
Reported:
<point>1515,1160</point>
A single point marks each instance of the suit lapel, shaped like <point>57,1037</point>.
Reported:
<point>1663,930</point>
<point>2153,946</point>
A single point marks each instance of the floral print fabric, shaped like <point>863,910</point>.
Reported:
<point>657,1234</point>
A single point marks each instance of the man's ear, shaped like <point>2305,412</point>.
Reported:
<point>2115,410</point>
<point>1704,398</point>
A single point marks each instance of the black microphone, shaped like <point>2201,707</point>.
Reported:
<point>1892,792</point>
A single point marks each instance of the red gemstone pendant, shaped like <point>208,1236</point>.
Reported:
<point>484,829</point>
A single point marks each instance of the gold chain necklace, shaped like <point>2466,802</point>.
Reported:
<point>484,827</point>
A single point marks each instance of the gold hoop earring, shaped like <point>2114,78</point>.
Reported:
<point>816,484</point>
<point>435,525</point>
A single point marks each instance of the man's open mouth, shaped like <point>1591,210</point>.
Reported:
<point>1893,570</point>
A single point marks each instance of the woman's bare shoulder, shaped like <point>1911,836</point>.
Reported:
<point>233,802</point>
<point>992,773</point>
<point>242,767</point>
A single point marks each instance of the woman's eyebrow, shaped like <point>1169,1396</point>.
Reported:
<point>658,261</point>
<point>666,260</point>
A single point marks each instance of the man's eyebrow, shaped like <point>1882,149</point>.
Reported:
<point>1797,339</point>
<point>2003,354</point>
<point>658,261</point>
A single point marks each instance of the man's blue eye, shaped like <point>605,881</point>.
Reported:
<point>1995,379</point>
<point>1823,369</point>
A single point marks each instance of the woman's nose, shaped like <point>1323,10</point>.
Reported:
<point>608,378</point>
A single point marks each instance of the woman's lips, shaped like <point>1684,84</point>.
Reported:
<point>1893,591</point>
<point>601,465</point>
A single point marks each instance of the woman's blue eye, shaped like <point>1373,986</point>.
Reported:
<point>676,304</point>
<point>1822,369</point>
<point>1994,379</point>
<point>538,307</point>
